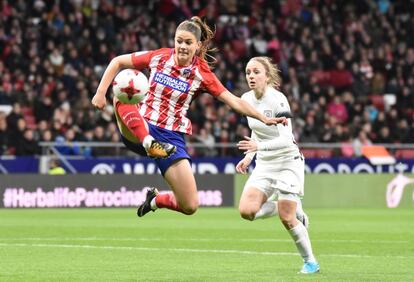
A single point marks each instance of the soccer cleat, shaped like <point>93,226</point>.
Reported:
<point>304,219</point>
<point>145,207</point>
<point>310,268</point>
<point>160,149</point>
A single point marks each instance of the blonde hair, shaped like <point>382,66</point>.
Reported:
<point>202,32</point>
<point>272,71</point>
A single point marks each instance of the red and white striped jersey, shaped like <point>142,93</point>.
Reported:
<point>172,88</point>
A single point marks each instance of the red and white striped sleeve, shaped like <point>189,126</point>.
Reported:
<point>210,81</point>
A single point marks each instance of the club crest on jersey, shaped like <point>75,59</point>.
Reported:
<point>268,113</point>
<point>171,82</point>
<point>186,72</point>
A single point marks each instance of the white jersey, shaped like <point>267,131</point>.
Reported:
<point>279,162</point>
<point>275,143</point>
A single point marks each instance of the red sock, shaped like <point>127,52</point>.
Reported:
<point>132,119</point>
<point>167,200</point>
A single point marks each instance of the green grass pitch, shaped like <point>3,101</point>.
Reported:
<point>215,244</point>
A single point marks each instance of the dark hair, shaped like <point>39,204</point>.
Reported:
<point>202,32</point>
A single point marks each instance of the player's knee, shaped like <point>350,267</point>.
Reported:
<point>246,213</point>
<point>288,220</point>
<point>190,208</point>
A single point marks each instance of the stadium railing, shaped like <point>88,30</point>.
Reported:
<point>118,149</point>
<point>68,153</point>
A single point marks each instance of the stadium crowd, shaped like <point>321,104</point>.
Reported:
<point>347,67</point>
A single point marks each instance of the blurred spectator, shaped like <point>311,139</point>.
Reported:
<point>4,135</point>
<point>335,58</point>
<point>66,146</point>
<point>384,136</point>
<point>359,142</point>
<point>206,138</point>
<point>27,145</point>
<point>55,168</point>
<point>347,148</point>
<point>338,110</point>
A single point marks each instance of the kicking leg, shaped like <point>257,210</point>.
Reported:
<point>128,117</point>
<point>134,128</point>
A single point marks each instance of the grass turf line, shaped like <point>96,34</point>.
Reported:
<point>215,244</point>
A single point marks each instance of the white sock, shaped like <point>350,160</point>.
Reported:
<point>299,210</point>
<point>153,204</point>
<point>147,142</point>
<point>268,209</point>
<point>301,237</point>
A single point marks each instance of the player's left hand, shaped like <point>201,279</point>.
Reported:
<point>99,101</point>
<point>247,145</point>
<point>243,165</point>
<point>275,120</point>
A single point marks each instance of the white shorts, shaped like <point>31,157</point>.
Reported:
<point>283,177</point>
<point>289,196</point>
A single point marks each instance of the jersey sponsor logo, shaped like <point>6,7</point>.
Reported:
<point>171,82</point>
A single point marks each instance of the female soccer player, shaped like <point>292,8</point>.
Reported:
<point>279,163</point>
<point>158,125</point>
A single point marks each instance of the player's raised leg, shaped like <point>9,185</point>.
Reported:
<point>134,128</point>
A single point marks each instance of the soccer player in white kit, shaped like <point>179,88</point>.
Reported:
<point>280,165</point>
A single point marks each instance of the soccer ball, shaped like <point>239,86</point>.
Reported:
<point>130,86</point>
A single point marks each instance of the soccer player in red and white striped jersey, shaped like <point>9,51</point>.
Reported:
<point>177,75</point>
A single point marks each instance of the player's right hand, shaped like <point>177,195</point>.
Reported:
<point>276,120</point>
<point>99,101</point>
<point>242,166</point>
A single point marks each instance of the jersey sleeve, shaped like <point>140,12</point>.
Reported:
<point>283,108</point>
<point>142,59</point>
<point>211,84</point>
<point>283,140</point>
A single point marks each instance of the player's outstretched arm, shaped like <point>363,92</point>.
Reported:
<point>116,64</point>
<point>245,108</point>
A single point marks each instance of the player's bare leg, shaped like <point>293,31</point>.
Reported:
<point>253,205</point>
<point>184,196</point>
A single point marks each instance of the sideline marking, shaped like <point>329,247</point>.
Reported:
<point>196,240</point>
<point>24,245</point>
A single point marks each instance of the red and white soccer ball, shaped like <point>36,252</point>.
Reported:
<point>130,86</point>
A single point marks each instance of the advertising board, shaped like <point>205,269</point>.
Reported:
<point>84,190</point>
